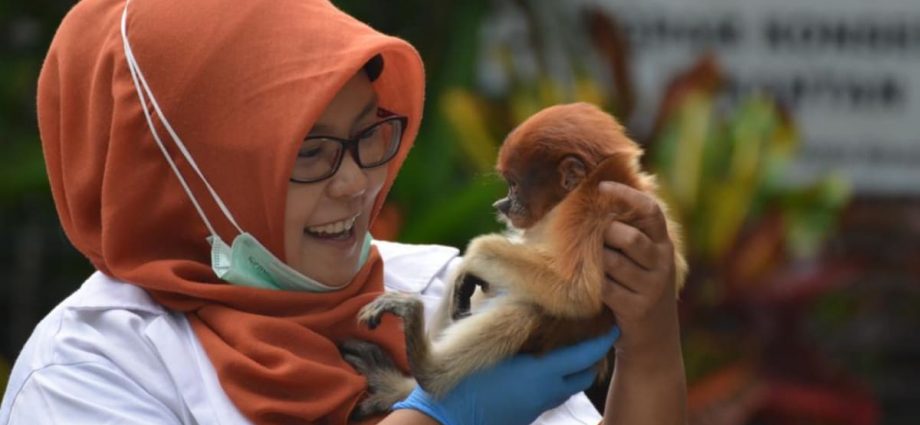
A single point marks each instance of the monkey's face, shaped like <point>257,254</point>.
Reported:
<point>513,208</point>
<point>533,189</point>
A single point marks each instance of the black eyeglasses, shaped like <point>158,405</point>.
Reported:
<point>320,157</point>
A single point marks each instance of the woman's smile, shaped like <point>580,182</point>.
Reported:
<point>332,230</point>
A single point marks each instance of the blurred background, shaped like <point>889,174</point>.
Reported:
<point>785,135</point>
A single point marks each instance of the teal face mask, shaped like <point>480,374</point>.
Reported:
<point>246,262</point>
<point>249,263</point>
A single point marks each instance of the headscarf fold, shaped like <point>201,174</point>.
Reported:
<point>241,83</point>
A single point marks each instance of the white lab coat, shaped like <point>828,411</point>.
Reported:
<point>108,354</point>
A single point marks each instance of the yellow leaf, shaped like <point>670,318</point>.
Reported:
<point>463,113</point>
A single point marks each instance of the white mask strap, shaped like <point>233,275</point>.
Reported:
<point>140,81</point>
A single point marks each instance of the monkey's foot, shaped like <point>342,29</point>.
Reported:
<point>386,385</point>
<point>402,305</point>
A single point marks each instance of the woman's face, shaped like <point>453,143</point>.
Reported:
<point>320,240</point>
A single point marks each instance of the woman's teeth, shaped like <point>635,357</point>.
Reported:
<point>333,228</point>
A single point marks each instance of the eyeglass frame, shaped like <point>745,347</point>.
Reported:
<point>350,145</point>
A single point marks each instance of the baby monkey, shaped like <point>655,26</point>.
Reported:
<point>543,282</point>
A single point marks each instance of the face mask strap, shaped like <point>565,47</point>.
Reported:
<point>139,82</point>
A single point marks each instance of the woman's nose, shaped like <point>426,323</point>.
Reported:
<point>349,181</point>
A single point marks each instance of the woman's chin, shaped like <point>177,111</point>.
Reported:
<point>336,282</point>
<point>339,280</point>
<point>319,268</point>
<point>332,261</point>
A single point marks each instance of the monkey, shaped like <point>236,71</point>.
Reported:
<point>543,279</point>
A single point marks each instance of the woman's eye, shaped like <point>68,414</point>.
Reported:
<point>371,132</point>
<point>309,153</point>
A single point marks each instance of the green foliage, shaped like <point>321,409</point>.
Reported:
<point>723,171</point>
<point>22,171</point>
<point>28,28</point>
<point>4,374</point>
<point>452,219</point>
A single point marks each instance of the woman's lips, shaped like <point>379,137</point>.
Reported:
<point>343,240</point>
<point>335,227</point>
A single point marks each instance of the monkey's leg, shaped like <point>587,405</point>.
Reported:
<point>441,318</point>
<point>466,347</point>
<point>478,342</point>
<point>386,384</point>
<point>412,312</point>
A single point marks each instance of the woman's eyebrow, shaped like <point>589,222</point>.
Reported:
<point>324,129</point>
<point>370,107</point>
<point>320,128</point>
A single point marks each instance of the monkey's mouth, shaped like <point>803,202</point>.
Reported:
<point>509,220</point>
<point>516,220</point>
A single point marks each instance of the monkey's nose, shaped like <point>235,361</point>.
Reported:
<point>503,205</point>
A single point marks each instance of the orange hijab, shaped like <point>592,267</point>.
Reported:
<point>242,83</point>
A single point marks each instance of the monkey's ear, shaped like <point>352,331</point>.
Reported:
<point>572,171</point>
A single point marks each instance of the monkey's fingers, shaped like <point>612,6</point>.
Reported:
<point>373,323</point>
<point>463,294</point>
<point>647,214</point>
<point>372,313</point>
<point>365,356</point>
<point>400,305</point>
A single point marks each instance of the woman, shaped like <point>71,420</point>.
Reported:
<point>193,145</point>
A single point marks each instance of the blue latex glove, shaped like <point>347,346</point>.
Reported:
<point>516,390</point>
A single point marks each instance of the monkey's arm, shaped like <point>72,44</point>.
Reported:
<point>480,341</point>
<point>528,274</point>
<point>465,292</point>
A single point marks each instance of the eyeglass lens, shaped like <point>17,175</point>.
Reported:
<point>319,157</point>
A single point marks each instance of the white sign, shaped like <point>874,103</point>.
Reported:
<point>849,70</point>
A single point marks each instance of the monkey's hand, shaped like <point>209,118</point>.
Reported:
<point>461,295</point>
<point>517,390</point>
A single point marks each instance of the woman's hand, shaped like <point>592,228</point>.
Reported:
<point>648,386</point>
<point>639,263</point>
<point>517,390</point>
